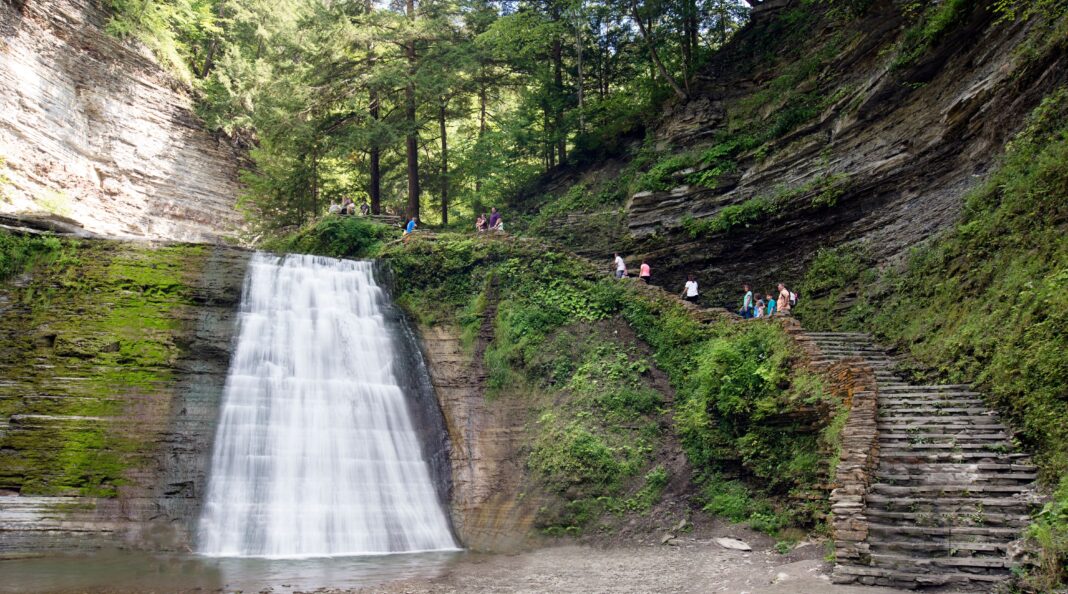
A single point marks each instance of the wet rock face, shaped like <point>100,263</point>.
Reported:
<point>112,370</point>
<point>92,130</point>
<point>490,507</point>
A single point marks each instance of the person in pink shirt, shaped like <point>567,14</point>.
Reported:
<point>643,272</point>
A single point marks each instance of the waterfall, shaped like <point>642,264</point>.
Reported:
<point>316,453</point>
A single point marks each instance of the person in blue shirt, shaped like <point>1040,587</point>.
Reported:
<point>771,304</point>
<point>410,228</point>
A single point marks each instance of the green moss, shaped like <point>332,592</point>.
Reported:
<point>933,25</point>
<point>101,325</point>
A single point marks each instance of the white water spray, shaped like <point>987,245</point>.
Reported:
<point>316,453</point>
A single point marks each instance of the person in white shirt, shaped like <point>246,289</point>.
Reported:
<point>621,267</point>
<point>689,292</point>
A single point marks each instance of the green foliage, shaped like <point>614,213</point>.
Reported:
<point>19,252</point>
<point>335,236</point>
<point>935,23</point>
<point>825,192</point>
<point>1050,532</point>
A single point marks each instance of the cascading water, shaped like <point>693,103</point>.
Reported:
<point>316,453</point>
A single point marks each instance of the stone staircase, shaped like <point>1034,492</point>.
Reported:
<point>948,494</point>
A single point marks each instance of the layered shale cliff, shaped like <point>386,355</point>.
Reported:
<point>93,130</point>
<point>112,369</point>
<point>818,125</point>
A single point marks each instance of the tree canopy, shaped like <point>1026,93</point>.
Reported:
<point>434,108</point>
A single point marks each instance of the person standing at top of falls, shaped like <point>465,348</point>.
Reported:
<point>689,292</point>
<point>410,228</point>
<point>494,217</point>
<point>782,304</point>
<point>621,266</point>
<point>644,272</point>
<point>747,303</point>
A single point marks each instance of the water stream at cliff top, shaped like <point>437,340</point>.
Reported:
<point>316,452</point>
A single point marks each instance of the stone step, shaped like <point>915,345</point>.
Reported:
<point>897,455</point>
<point>896,402</point>
<point>994,467</point>
<point>947,549</point>
<point>918,443</point>
<point>974,518</point>
<point>906,503</point>
<point>927,420</point>
<point>890,427</point>
<point>907,387</point>
<point>928,437</point>
<point>935,410</point>
<point>940,478</point>
<point>949,490</point>
<point>937,565</point>
<point>880,576</point>
<point>945,533</point>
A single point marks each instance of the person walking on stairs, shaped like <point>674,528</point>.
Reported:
<point>770,304</point>
<point>644,273</point>
<point>747,303</point>
<point>621,266</point>
<point>410,228</point>
<point>689,292</point>
<point>782,304</point>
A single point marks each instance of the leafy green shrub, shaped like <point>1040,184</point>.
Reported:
<point>939,19</point>
<point>1050,532</point>
<point>18,252</point>
<point>335,236</point>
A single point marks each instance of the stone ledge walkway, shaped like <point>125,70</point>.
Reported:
<point>949,495</point>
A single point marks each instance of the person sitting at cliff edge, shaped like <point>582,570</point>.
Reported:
<point>410,228</point>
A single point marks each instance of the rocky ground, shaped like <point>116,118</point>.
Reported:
<point>695,564</point>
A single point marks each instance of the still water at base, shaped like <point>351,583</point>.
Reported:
<point>141,572</point>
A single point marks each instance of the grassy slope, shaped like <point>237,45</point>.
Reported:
<point>557,343</point>
<point>987,302</point>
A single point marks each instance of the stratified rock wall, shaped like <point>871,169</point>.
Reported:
<point>93,130</point>
<point>113,359</point>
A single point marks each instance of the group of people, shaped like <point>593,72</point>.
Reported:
<point>752,307</point>
<point>348,207</point>
<point>493,222</point>
<point>780,303</point>
<point>644,272</point>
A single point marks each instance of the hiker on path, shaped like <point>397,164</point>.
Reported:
<point>621,266</point>
<point>689,292</point>
<point>410,228</point>
<point>644,273</point>
<point>365,209</point>
<point>747,303</point>
<point>771,304</point>
<point>494,217</point>
<point>782,305</point>
<point>348,206</point>
<point>499,225</point>
<point>759,311</point>
<point>480,223</point>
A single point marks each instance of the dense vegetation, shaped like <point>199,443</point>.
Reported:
<point>563,343</point>
<point>450,104</point>
<point>984,303</point>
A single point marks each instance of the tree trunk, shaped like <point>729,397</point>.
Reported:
<point>481,129</point>
<point>444,164</point>
<point>581,98</point>
<point>374,190</point>
<point>558,93</point>
<point>412,134</point>
<point>653,54</point>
